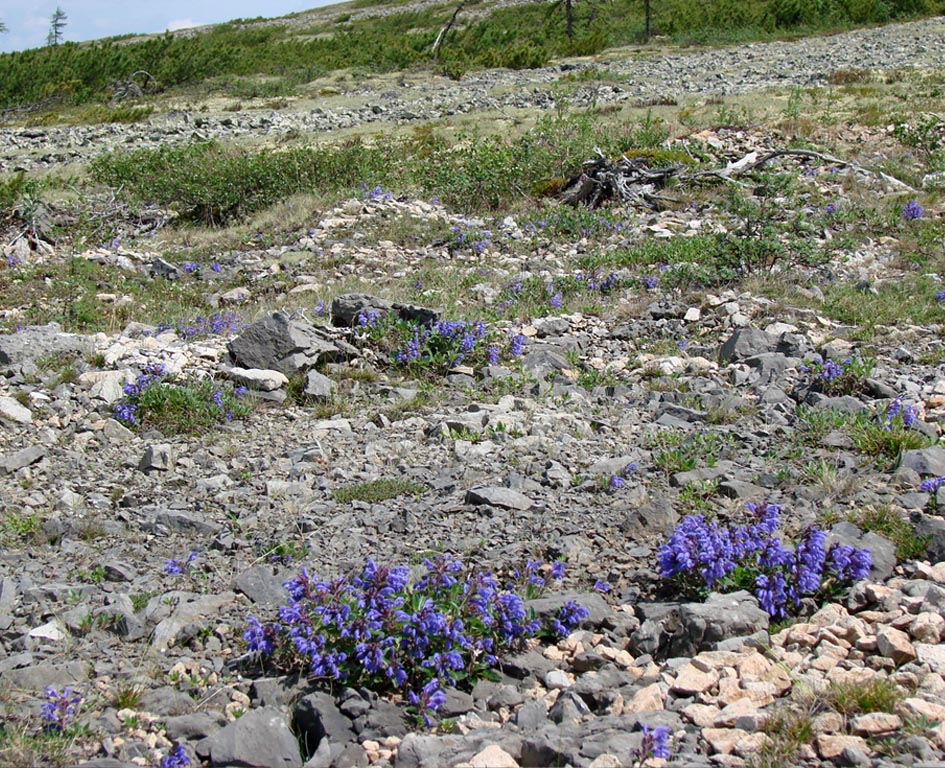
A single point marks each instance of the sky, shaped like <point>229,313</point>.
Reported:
<point>27,21</point>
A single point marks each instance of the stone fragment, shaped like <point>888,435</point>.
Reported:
<point>497,496</point>
<point>917,709</point>
<point>22,458</point>
<point>648,698</point>
<point>830,745</point>
<point>875,723</point>
<point>12,410</point>
<point>319,387</point>
<point>691,681</point>
<point>258,379</point>
<point>280,344</point>
<point>895,644</point>
<point>158,457</point>
<point>492,756</point>
<point>933,655</point>
<point>722,741</point>
<point>260,738</point>
<point>926,461</point>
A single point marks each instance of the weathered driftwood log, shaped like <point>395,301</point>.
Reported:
<point>627,180</point>
<point>633,181</point>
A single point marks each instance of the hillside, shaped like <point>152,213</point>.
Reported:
<point>361,411</point>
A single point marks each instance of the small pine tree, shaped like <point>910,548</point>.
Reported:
<point>3,27</point>
<point>57,26</point>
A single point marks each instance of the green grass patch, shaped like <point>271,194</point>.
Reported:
<point>886,522</point>
<point>375,491</point>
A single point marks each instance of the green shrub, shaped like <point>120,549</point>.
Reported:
<point>376,491</point>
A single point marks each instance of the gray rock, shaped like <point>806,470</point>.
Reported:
<point>157,458</point>
<point>22,458</point>
<point>277,691</point>
<point>259,739</point>
<point>685,629</point>
<point>167,700</point>
<point>532,715</point>
<point>496,496</point>
<point>317,718</point>
<point>746,342</point>
<point>280,344</point>
<point>926,461</point>
<point>262,584</point>
<point>258,379</point>
<point>40,676</point>
<point>36,341</point>
<point>319,387</point>
<point>12,410</point>
<point>193,727</point>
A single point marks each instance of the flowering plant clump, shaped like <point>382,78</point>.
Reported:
<point>555,292</point>
<point>655,743</point>
<point>703,554</point>
<point>438,347</point>
<point>58,710</point>
<point>912,210</point>
<point>176,758</point>
<point>177,567</point>
<point>833,378</point>
<point>157,399</point>
<point>899,414</point>
<point>932,484</point>
<point>381,631</point>
<point>217,324</point>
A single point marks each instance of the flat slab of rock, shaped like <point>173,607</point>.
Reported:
<point>22,458</point>
<point>12,410</point>
<point>258,379</point>
<point>497,496</point>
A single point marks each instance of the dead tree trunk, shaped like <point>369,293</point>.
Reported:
<point>442,36</point>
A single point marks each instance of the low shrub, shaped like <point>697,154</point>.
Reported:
<point>159,401</point>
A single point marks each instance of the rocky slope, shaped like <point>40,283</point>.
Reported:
<point>513,461</point>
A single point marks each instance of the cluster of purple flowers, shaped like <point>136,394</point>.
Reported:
<point>379,630</point>
<point>650,281</point>
<point>833,378</point>
<point>655,743</point>
<point>176,567</point>
<point>369,318</point>
<point>217,324</point>
<point>478,240</point>
<point>376,193</point>
<point>899,411</point>
<point>153,373</point>
<point>58,710</point>
<point>940,296</point>
<point>450,341</point>
<point>176,758</point>
<point>932,484</point>
<point>618,479</point>
<point>781,576</point>
<point>912,210</point>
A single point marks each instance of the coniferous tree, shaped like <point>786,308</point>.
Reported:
<point>57,26</point>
